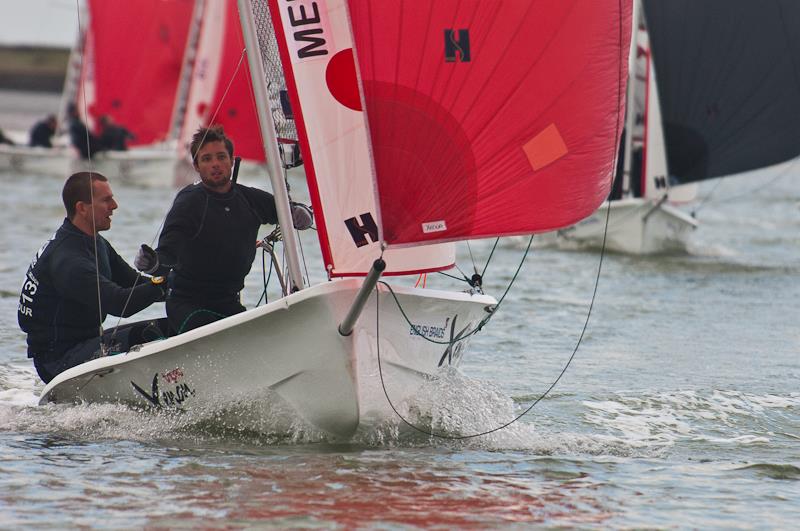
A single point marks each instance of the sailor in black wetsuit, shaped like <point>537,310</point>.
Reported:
<point>113,136</point>
<point>209,236</point>
<point>42,132</point>
<point>87,144</point>
<point>58,306</point>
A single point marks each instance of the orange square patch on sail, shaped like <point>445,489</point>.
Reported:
<point>545,148</point>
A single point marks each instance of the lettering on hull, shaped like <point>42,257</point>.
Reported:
<point>173,396</point>
<point>456,344</point>
<point>429,331</point>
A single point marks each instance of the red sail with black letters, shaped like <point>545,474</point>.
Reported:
<point>488,117</point>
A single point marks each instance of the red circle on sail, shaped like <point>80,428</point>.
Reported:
<point>340,76</point>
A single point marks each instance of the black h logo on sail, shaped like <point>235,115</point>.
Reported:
<point>453,45</point>
<point>360,231</point>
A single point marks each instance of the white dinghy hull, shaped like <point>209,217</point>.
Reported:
<point>635,226</point>
<point>36,160</point>
<point>147,167</point>
<point>290,348</point>
<point>142,166</point>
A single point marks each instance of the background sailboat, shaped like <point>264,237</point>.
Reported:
<point>413,141</point>
<point>134,59</point>
<point>714,92</point>
<point>161,69</point>
<point>127,64</point>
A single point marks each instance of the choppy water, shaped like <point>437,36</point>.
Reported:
<point>681,408</point>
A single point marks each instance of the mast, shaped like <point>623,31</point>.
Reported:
<point>630,103</point>
<point>271,148</point>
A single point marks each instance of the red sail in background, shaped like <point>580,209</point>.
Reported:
<point>237,109</point>
<point>491,117</point>
<point>221,91</point>
<point>137,56</point>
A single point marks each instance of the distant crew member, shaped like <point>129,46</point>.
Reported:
<point>42,132</point>
<point>114,137</point>
<point>84,141</point>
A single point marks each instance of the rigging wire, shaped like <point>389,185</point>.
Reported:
<point>472,258</point>
<point>302,255</point>
<point>482,322</point>
<point>618,220</point>
<point>103,346</point>
<point>583,330</point>
<point>91,196</point>
<point>491,253</point>
<point>466,278</point>
<point>265,277</point>
<point>460,279</point>
<point>214,114</point>
<point>296,232</point>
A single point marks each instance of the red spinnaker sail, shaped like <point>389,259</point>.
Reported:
<point>491,117</point>
<point>137,56</point>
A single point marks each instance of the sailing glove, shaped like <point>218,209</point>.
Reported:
<point>302,216</point>
<point>146,260</point>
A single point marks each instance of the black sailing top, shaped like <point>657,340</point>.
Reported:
<point>209,239</point>
<point>58,303</point>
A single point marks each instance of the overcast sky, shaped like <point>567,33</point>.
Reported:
<point>40,22</point>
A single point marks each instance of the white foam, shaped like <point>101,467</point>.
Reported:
<point>724,417</point>
<point>469,412</point>
<point>20,385</point>
<point>709,249</point>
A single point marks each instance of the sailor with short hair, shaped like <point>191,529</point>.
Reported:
<point>71,273</point>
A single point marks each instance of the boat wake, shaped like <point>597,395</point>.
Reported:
<point>458,411</point>
<point>719,418</point>
<point>452,410</point>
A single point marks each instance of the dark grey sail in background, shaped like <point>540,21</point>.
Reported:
<point>728,74</point>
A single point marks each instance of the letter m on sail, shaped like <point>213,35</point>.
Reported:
<point>456,44</point>
<point>360,231</point>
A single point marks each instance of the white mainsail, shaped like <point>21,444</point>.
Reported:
<point>320,69</point>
